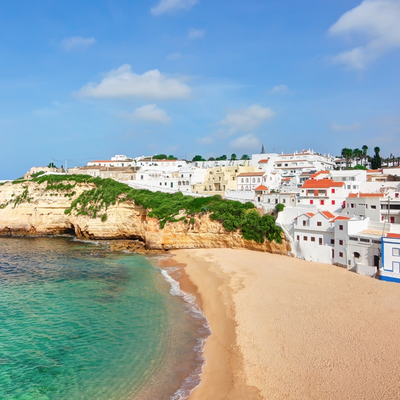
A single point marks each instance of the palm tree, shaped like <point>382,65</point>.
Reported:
<point>365,153</point>
<point>357,154</point>
<point>376,160</point>
<point>347,154</point>
<point>233,157</point>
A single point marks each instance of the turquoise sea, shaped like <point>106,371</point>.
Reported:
<point>78,322</point>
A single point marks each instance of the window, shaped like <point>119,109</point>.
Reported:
<point>333,202</point>
<point>322,202</point>
<point>160,183</point>
<point>305,238</point>
<point>348,186</point>
<point>319,223</point>
<point>333,191</point>
<point>313,239</point>
<point>354,239</point>
<point>304,223</point>
<point>396,252</point>
<point>320,241</point>
<point>311,201</point>
<point>355,187</point>
<point>298,237</point>
<point>352,205</point>
<point>364,240</point>
<point>356,254</point>
<point>141,176</point>
<point>283,201</point>
<point>332,241</point>
<point>341,254</point>
<point>341,242</point>
<point>373,207</point>
<point>340,227</point>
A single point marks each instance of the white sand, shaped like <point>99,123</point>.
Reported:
<point>284,328</point>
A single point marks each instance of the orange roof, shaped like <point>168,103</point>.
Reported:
<point>366,195</point>
<point>310,214</point>
<point>319,173</point>
<point>321,183</point>
<point>340,217</point>
<point>393,235</point>
<point>374,171</point>
<point>264,161</point>
<point>251,174</point>
<point>327,214</point>
<point>261,187</point>
<point>102,161</point>
<point>286,179</point>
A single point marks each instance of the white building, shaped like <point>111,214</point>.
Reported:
<point>248,181</point>
<point>390,270</point>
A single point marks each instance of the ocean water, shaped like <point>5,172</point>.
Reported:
<point>80,323</point>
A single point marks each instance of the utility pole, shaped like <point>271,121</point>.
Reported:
<point>66,166</point>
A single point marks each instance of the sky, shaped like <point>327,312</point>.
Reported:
<point>86,80</point>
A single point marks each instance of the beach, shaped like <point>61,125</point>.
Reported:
<point>284,328</point>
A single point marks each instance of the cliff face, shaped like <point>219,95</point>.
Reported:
<point>29,209</point>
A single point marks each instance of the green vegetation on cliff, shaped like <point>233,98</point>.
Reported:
<point>101,193</point>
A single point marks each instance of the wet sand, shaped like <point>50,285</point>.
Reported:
<point>284,328</point>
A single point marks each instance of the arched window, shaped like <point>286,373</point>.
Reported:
<point>242,180</point>
<point>258,180</point>
<point>254,180</point>
<point>187,182</point>
<point>356,254</point>
<point>247,180</point>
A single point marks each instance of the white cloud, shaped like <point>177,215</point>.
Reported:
<point>150,113</point>
<point>122,82</point>
<point>77,43</point>
<point>205,140</point>
<point>339,127</point>
<point>172,5</point>
<point>245,142</point>
<point>377,22</point>
<point>196,33</point>
<point>247,118</point>
<point>279,89</point>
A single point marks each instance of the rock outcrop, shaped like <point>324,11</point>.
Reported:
<point>28,209</point>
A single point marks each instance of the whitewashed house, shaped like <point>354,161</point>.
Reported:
<point>390,270</point>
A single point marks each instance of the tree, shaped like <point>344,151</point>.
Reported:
<point>222,158</point>
<point>357,154</point>
<point>347,154</point>
<point>160,157</point>
<point>376,159</point>
<point>51,165</point>
<point>211,159</point>
<point>245,157</point>
<point>365,153</point>
<point>172,158</point>
<point>233,157</point>
<point>198,158</point>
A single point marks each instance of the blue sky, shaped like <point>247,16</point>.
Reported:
<point>87,80</point>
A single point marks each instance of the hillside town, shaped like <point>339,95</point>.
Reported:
<point>334,210</point>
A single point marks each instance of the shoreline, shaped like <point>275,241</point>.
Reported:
<point>287,328</point>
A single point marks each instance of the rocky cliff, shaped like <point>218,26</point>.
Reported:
<point>31,209</point>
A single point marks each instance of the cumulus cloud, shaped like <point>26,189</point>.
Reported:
<point>247,118</point>
<point>279,89</point>
<point>150,113</point>
<point>339,127</point>
<point>245,142</point>
<point>196,33</point>
<point>377,23</point>
<point>77,43</point>
<point>122,82</point>
<point>172,5</point>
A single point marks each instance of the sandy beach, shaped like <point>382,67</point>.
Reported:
<point>283,328</point>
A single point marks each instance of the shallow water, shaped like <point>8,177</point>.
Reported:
<point>78,322</point>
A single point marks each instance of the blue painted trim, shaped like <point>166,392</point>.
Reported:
<point>389,279</point>
<point>383,252</point>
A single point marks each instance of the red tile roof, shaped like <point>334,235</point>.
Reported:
<point>286,179</point>
<point>264,161</point>
<point>261,187</point>
<point>321,183</point>
<point>366,195</point>
<point>374,171</point>
<point>319,173</point>
<point>102,161</point>
<point>327,214</point>
<point>393,235</point>
<point>251,174</point>
<point>340,217</point>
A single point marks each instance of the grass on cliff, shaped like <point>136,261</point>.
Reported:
<point>165,206</point>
